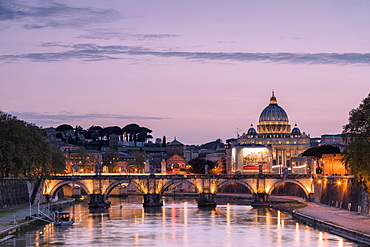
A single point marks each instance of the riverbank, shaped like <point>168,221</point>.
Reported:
<point>347,224</point>
<point>18,219</point>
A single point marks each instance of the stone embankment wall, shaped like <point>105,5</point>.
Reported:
<point>16,192</point>
<point>355,236</point>
<point>341,192</point>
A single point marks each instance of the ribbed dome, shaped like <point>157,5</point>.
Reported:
<point>252,130</point>
<point>296,130</point>
<point>273,112</point>
<point>273,119</point>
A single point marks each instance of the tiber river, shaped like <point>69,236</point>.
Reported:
<point>178,223</point>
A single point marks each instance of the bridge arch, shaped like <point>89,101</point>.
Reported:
<point>114,184</point>
<point>300,185</point>
<point>173,182</point>
<point>226,182</point>
<point>60,184</point>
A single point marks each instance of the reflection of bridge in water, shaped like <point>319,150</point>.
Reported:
<point>98,187</point>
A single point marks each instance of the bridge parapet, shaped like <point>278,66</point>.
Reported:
<point>153,186</point>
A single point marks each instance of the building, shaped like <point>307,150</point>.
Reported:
<point>274,131</point>
<point>251,158</point>
<point>175,162</point>
<point>113,142</point>
<point>334,140</point>
<point>83,161</point>
<point>175,147</point>
<point>332,164</point>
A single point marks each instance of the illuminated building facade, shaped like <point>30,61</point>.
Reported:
<point>249,159</point>
<point>274,131</point>
<point>332,165</point>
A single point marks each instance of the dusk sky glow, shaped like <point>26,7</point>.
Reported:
<point>197,70</point>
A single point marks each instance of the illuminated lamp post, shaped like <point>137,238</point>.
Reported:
<point>98,169</point>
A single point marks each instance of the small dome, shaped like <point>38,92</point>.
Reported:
<point>174,143</point>
<point>252,130</point>
<point>296,130</point>
<point>273,112</point>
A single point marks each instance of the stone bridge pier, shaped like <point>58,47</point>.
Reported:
<point>153,186</point>
<point>98,201</point>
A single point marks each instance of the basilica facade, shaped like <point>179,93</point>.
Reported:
<point>282,143</point>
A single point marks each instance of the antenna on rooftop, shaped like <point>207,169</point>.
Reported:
<point>237,130</point>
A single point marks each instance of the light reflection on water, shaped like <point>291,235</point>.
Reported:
<point>178,223</point>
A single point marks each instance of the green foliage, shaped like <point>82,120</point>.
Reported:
<point>213,145</point>
<point>23,150</point>
<point>138,163</point>
<point>198,165</point>
<point>64,127</point>
<point>58,160</point>
<point>164,142</point>
<point>82,159</point>
<point>133,132</point>
<point>221,166</point>
<point>356,134</point>
<point>110,159</point>
<point>317,152</point>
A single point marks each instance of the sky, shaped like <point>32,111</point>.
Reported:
<point>194,70</point>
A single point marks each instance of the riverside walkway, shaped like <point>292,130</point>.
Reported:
<point>340,217</point>
<point>347,224</point>
<point>16,219</point>
<point>20,214</point>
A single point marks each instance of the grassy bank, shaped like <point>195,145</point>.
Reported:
<point>286,205</point>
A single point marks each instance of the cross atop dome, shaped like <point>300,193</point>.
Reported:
<point>273,98</point>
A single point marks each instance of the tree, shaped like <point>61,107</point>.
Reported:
<point>58,160</point>
<point>93,132</point>
<point>213,145</point>
<point>78,131</point>
<point>23,150</point>
<point>64,129</point>
<point>356,155</point>
<point>143,134</point>
<point>83,160</point>
<point>198,165</point>
<point>138,163</point>
<point>131,131</point>
<point>110,159</point>
<point>220,167</point>
<point>317,152</point>
<point>107,131</point>
<point>164,142</point>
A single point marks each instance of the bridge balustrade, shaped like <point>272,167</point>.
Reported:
<point>152,185</point>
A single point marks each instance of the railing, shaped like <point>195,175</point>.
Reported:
<point>178,176</point>
<point>46,213</point>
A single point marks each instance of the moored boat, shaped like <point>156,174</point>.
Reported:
<point>63,219</point>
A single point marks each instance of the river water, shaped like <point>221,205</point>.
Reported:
<point>178,223</point>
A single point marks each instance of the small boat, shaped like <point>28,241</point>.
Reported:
<point>63,219</point>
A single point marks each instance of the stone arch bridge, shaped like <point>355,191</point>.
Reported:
<point>152,186</point>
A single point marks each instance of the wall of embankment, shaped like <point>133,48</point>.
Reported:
<point>332,228</point>
<point>15,192</point>
<point>342,192</point>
